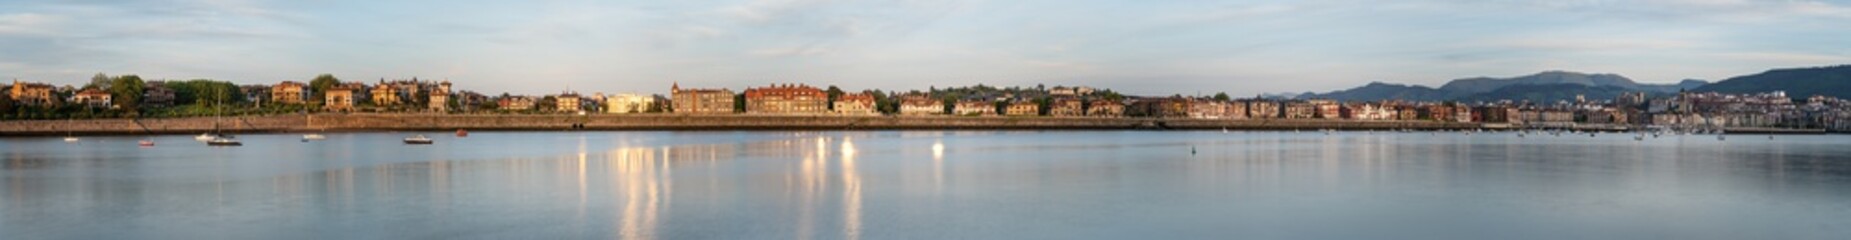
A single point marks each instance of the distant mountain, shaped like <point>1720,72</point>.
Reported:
<point>1383,91</point>
<point>1548,93</point>
<point>1832,81</point>
<point>1552,85</point>
<point>1485,84</point>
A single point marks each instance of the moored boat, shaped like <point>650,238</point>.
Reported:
<point>204,137</point>
<point>461,133</point>
<point>145,143</point>
<point>224,141</point>
<point>313,136</point>
<point>419,140</point>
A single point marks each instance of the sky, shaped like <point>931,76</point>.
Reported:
<point>1137,47</point>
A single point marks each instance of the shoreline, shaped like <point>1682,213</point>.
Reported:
<point>729,122</point>
<point>679,122</point>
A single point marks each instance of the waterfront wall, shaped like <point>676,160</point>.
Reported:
<point>388,122</point>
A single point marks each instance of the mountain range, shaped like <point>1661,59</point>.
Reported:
<point>1832,81</point>
<point>1543,87</point>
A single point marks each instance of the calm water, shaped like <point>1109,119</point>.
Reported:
<point>931,185</point>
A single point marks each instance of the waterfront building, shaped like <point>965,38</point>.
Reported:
<point>786,99</point>
<point>439,98</point>
<point>701,101</point>
<point>1166,107</point>
<point>1300,110</point>
<point>289,92</point>
<point>384,95</point>
<point>1264,109</point>
<point>1105,108</point>
<point>974,107</point>
<point>515,103</point>
<point>1022,108</point>
<point>156,94</point>
<point>1237,110</point>
<point>1369,112</point>
<point>340,98</point>
<point>1206,108</point>
<point>567,102</point>
<point>629,103</point>
<point>31,94</point>
<point>921,104</point>
<point>92,97</point>
<point>1066,107</point>
<point>1326,109</point>
<point>855,104</point>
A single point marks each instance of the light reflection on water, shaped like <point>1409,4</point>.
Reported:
<point>925,184</point>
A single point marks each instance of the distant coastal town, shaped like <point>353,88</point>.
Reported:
<point>129,96</point>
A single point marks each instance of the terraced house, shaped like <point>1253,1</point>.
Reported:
<point>701,101</point>
<point>786,99</point>
<point>855,104</point>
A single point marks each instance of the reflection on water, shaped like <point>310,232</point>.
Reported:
<point>880,185</point>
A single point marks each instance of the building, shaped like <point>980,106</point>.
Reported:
<point>1105,108</point>
<point>786,99</point>
<point>974,108</point>
<point>1300,110</point>
<point>515,103</point>
<point>1262,109</point>
<point>855,104</point>
<point>340,98</point>
<point>701,101</point>
<point>1326,109</point>
<point>91,97</point>
<point>439,99</point>
<point>567,102</point>
<point>1022,108</point>
<point>921,104</point>
<point>289,92</point>
<point>1208,108</point>
<point>31,94</point>
<point>156,94</point>
<point>385,95</point>
<point>1067,107</point>
<point>630,103</point>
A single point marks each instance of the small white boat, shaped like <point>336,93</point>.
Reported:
<point>224,142</point>
<point>70,139</point>
<point>313,136</point>
<point>145,143</point>
<point>204,137</point>
<point>419,139</point>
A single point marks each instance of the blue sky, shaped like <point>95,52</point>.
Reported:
<point>1141,47</point>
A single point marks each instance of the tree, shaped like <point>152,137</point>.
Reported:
<point>1222,96</point>
<point>321,84</point>
<point>739,103</point>
<point>834,93</point>
<point>126,91</point>
<point>100,81</point>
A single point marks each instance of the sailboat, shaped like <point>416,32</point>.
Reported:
<point>68,137</point>
<point>221,140</point>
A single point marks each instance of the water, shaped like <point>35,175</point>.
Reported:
<point>931,185</point>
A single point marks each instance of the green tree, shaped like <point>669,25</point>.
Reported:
<point>100,81</point>
<point>321,84</point>
<point>1222,96</point>
<point>126,91</point>
<point>739,103</point>
<point>834,93</point>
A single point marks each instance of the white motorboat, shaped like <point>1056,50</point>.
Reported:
<point>313,136</point>
<point>204,137</point>
<point>419,139</point>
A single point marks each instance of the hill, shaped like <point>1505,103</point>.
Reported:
<point>1832,81</point>
<point>1384,91</point>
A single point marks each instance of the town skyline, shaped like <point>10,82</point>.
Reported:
<point>1245,48</point>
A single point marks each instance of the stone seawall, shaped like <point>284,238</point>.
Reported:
<point>156,126</point>
<point>388,122</point>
